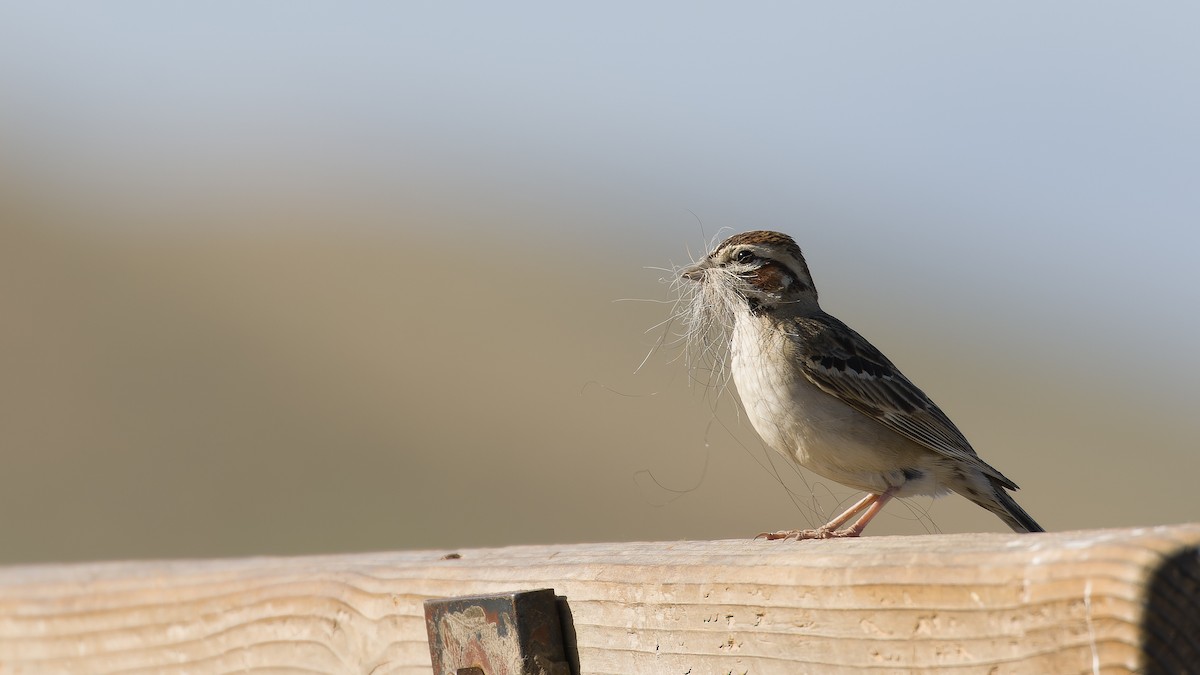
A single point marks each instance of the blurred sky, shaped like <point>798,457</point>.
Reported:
<point>985,190</point>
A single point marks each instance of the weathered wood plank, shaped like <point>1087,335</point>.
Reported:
<point>1074,602</point>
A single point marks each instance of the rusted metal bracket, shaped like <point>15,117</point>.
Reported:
<point>516,633</point>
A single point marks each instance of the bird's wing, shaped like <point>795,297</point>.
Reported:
<point>843,364</point>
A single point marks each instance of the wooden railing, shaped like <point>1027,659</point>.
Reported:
<point>1072,602</point>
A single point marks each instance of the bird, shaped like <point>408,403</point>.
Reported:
<point>822,395</point>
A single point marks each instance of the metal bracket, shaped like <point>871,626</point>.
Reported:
<point>516,633</point>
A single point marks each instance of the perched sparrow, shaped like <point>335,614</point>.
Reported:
<point>819,393</point>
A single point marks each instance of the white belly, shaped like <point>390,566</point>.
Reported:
<point>816,429</point>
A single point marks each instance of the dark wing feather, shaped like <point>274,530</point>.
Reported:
<point>843,364</point>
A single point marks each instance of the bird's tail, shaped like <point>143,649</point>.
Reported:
<point>1002,504</point>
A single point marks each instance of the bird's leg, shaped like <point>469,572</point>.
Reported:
<point>873,503</point>
<point>861,524</point>
<point>850,512</point>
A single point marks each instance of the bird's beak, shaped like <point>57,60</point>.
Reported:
<point>695,271</point>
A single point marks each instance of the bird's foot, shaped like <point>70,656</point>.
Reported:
<point>819,533</point>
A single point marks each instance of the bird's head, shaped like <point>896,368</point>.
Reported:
<point>766,270</point>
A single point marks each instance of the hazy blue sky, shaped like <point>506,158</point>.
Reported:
<point>1052,121</point>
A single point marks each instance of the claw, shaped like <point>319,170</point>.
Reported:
<point>798,535</point>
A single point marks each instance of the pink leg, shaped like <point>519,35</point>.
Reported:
<point>850,512</point>
<point>873,503</point>
<point>861,524</point>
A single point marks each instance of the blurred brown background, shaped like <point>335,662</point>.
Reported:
<point>296,281</point>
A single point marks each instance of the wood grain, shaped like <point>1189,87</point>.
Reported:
<point>1077,602</point>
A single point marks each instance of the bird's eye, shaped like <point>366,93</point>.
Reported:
<point>743,256</point>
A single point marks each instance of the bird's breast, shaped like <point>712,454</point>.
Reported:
<point>781,404</point>
<point>812,427</point>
